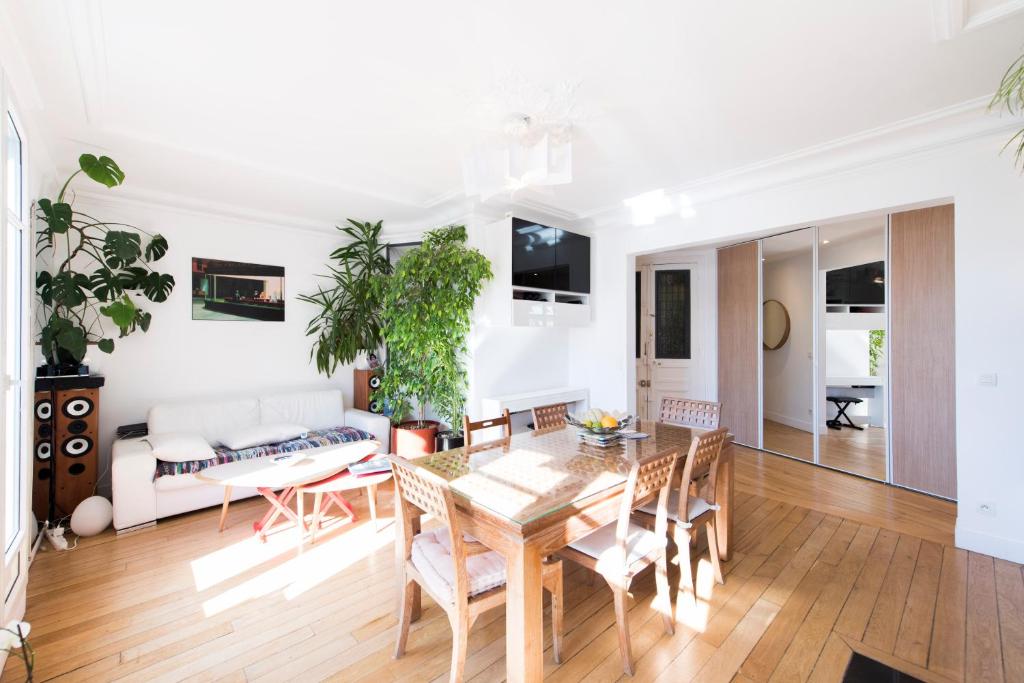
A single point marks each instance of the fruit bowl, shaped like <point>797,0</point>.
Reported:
<point>597,421</point>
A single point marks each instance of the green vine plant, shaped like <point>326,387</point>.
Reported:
<point>1010,96</point>
<point>348,318</point>
<point>101,271</point>
<point>427,304</point>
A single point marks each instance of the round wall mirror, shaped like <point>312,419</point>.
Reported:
<point>776,325</point>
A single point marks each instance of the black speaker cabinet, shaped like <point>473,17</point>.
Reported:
<point>67,417</point>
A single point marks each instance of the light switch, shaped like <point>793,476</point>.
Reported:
<point>988,379</point>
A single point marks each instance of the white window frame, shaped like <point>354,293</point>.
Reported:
<point>14,567</point>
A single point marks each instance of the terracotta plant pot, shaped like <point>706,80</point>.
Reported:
<point>414,438</point>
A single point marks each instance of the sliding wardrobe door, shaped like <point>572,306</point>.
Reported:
<point>739,342</point>
<point>921,350</point>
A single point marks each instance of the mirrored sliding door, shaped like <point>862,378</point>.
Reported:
<point>787,288</point>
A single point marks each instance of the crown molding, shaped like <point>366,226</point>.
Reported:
<point>915,135</point>
<point>953,17</point>
<point>147,199</point>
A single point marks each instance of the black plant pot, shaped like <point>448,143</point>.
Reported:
<point>447,440</point>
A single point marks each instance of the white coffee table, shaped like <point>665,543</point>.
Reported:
<point>267,477</point>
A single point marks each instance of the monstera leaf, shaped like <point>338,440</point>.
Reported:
<point>121,248</point>
<point>106,285</point>
<point>70,289</point>
<point>158,286</point>
<point>44,287</point>
<point>66,335</point>
<point>132,278</point>
<point>156,248</point>
<point>103,170</point>
<point>58,216</point>
<point>122,312</point>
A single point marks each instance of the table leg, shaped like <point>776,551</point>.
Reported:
<point>301,513</point>
<point>224,508</point>
<point>524,628</point>
<point>724,486</point>
<point>278,507</point>
<point>371,494</point>
<point>317,511</point>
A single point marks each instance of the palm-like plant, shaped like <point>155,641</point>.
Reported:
<point>348,317</point>
<point>1010,96</point>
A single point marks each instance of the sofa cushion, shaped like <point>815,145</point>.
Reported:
<point>315,409</point>
<point>179,446</point>
<point>432,556</point>
<point>315,439</point>
<point>257,435</point>
<point>212,419</point>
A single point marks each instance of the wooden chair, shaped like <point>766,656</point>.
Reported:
<point>505,422</point>
<point>464,577</point>
<point>687,511</point>
<point>547,417</point>
<point>620,550</point>
<point>688,412</point>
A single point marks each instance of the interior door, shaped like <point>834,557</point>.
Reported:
<point>674,366</point>
<point>739,341</point>
<point>643,337</point>
<point>922,320</point>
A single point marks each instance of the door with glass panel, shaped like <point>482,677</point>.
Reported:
<point>673,368</point>
<point>13,303</point>
<point>787,348</point>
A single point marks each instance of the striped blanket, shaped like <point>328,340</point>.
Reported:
<point>314,439</point>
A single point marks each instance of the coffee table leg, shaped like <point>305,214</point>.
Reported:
<point>278,507</point>
<point>301,522</point>
<point>224,508</point>
<point>371,493</point>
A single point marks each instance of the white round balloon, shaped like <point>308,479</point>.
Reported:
<point>92,516</point>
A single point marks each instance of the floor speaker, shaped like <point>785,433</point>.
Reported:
<point>66,444</point>
<point>364,384</point>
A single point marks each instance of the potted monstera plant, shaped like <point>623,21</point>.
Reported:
<point>92,272</point>
<point>427,303</point>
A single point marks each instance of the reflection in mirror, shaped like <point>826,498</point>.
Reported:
<point>852,325</point>
<point>788,392</point>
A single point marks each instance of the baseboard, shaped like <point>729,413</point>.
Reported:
<point>802,425</point>
<point>1011,549</point>
<point>137,527</point>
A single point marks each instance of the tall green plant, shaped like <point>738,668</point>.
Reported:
<point>348,318</point>
<point>98,270</point>
<point>1010,96</point>
<point>427,306</point>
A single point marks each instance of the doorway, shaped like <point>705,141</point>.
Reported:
<point>673,302</point>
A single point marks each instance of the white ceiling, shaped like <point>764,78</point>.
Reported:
<point>323,110</point>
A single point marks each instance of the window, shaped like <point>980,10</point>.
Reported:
<point>672,314</point>
<point>13,307</point>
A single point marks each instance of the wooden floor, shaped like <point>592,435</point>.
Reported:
<point>825,565</point>
<point>858,451</point>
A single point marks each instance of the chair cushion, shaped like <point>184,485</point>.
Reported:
<point>600,545</point>
<point>695,507</point>
<point>432,557</point>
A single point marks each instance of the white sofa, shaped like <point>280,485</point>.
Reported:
<point>139,500</point>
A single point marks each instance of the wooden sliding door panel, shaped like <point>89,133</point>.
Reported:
<point>921,348</point>
<point>738,342</point>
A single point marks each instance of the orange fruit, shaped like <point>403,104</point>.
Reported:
<point>609,422</point>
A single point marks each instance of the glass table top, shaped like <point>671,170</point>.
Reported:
<point>538,473</point>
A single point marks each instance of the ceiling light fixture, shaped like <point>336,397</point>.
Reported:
<point>824,241</point>
<point>532,146</point>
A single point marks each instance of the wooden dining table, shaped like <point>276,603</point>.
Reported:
<point>535,493</point>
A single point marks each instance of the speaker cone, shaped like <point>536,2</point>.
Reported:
<point>44,450</point>
<point>77,407</point>
<point>43,474</point>
<point>375,407</point>
<point>44,409</point>
<point>375,382</point>
<point>78,426</point>
<point>76,469</point>
<point>76,446</point>
<point>45,430</point>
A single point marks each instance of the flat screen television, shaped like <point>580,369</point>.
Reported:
<point>857,285</point>
<point>549,258</point>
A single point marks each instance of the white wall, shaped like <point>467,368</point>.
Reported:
<point>789,371</point>
<point>180,358</point>
<point>989,196</point>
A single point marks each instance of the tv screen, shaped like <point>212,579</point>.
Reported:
<point>856,285</point>
<point>549,258</point>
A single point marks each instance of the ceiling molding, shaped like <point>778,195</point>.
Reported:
<point>915,135</point>
<point>953,17</point>
<point>162,201</point>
